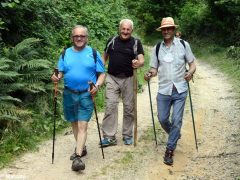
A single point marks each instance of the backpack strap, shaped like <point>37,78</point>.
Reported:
<point>135,48</point>
<point>112,41</point>
<point>94,55</point>
<point>157,48</point>
<point>63,52</point>
<point>183,43</point>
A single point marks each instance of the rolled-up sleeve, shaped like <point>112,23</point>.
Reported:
<point>60,64</point>
<point>189,55</point>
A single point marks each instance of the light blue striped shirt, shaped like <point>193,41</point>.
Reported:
<point>172,66</point>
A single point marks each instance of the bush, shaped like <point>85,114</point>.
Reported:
<point>192,18</point>
<point>233,52</point>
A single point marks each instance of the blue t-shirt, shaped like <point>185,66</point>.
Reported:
<point>79,67</point>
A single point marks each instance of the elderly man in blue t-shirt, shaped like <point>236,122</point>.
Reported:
<point>78,66</point>
<point>169,63</point>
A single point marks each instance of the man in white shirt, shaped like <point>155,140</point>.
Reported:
<point>168,61</point>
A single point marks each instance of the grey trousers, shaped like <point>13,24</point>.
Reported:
<point>116,88</point>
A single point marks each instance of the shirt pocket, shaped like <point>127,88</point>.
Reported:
<point>180,59</point>
<point>168,58</point>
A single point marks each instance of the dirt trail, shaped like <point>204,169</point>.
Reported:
<point>217,113</point>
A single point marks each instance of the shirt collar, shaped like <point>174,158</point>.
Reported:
<point>173,42</point>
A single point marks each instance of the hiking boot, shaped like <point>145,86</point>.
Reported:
<point>84,153</point>
<point>128,141</point>
<point>108,142</point>
<point>77,164</point>
<point>168,158</point>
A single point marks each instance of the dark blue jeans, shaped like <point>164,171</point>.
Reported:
<point>173,127</point>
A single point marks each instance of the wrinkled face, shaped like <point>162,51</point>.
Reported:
<point>125,31</point>
<point>168,33</point>
<point>79,38</point>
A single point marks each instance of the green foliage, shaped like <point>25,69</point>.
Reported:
<point>228,12</point>
<point>193,17</point>
<point>149,13</point>
<point>52,21</point>
<point>8,109</point>
<point>144,69</point>
<point>30,70</point>
<point>234,53</point>
<point>9,3</point>
<point>216,20</point>
<point>22,81</point>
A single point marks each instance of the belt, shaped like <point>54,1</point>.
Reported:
<point>75,91</point>
<point>121,75</point>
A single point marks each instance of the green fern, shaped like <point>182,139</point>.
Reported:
<point>6,117</point>
<point>6,88</point>
<point>22,75</point>
<point>8,75</point>
<point>24,46</point>
<point>35,88</point>
<point>35,64</point>
<point>9,98</point>
<point>9,111</point>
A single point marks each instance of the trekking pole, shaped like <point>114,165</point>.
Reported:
<point>55,112</point>
<point>191,106</point>
<point>152,111</point>
<point>91,84</point>
<point>135,104</point>
<point>135,88</point>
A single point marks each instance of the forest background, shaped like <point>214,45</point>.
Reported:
<point>34,32</point>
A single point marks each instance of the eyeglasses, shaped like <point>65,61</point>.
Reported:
<point>79,36</point>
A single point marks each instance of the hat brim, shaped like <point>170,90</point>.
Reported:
<point>160,28</point>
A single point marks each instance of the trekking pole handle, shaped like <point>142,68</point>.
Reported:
<point>190,73</point>
<point>56,72</point>
<point>149,74</point>
<point>91,84</point>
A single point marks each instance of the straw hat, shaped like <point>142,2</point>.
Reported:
<point>167,22</point>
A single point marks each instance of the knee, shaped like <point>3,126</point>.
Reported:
<point>162,119</point>
<point>82,127</point>
<point>177,125</point>
<point>111,106</point>
<point>128,108</point>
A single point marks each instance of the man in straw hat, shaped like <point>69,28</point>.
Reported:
<point>168,61</point>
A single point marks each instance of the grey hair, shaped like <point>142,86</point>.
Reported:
<point>82,27</point>
<point>128,21</point>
